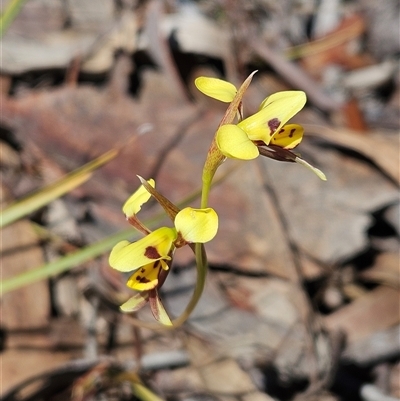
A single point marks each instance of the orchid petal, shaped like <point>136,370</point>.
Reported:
<point>136,200</point>
<point>276,110</point>
<point>197,225</point>
<point>158,310</point>
<point>315,170</point>
<point>134,303</point>
<point>292,98</point>
<point>288,137</point>
<point>126,256</point>
<point>216,88</point>
<point>234,142</point>
<point>146,277</point>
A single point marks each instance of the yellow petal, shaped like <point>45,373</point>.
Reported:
<point>315,170</point>
<point>134,303</point>
<point>288,137</point>
<point>126,256</point>
<point>233,142</point>
<point>136,200</point>
<point>216,88</point>
<point>292,98</point>
<point>197,225</point>
<point>276,110</point>
<point>146,277</point>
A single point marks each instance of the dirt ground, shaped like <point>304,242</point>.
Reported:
<point>302,296</point>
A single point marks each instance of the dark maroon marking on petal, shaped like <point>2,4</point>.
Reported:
<point>292,131</point>
<point>151,253</point>
<point>141,279</point>
<point>156,264</point>
<point>273,124</point>
<point>281,131</point>
<point>142,270</point>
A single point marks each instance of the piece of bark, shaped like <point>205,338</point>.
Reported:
<point>375,311</point>
<point>379,146</point>
<point>381,345</point>
<point>226,376</point>
<point>18,365</point>
<point>385,270</point>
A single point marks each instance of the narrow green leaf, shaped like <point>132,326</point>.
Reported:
<point>143,393</point>
<point>42,197</point>
<point>8,15</point>
<point>65,263</point>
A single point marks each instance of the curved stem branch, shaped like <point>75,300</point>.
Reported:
<point>201,266</point>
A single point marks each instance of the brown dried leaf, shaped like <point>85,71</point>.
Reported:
<point>226,377</point>
<point>385,270</point>
<point>21,364</point>
<point>375,311</point>
<point>380,147</point>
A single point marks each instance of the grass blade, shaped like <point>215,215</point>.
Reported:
<point>42,197</point>
<point>8,15</point>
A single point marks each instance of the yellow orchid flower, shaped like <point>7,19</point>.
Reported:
<point>267,125</point>
<point>191,226</point>
<point>150,258</point>
<point>241,141</point>
<point>266,128</point>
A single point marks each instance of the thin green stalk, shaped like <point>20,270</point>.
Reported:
<point>144,393</point>
<point>205,193</point>
<point>213,161</point>
<point>65,263</point>
<point>201,260</point>
<point>9,14</point>
<point>201,266</point>
<point>45,195</point>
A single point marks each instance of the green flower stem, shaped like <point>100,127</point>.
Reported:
<point>198,249</point>
<point>205,193</point>
<point>138,388</point>
<point>143,393</point>
<point>201,265</point>
<point>213,161</point>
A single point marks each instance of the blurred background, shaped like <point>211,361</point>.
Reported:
<point>302,296</point>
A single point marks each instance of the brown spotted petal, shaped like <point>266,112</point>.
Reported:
<point>126,256</point>
<point>158,310</point>
<point>146,277</point>
<point>275,111</point>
